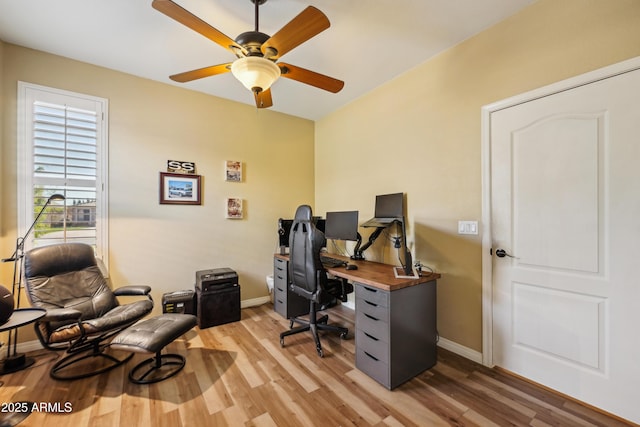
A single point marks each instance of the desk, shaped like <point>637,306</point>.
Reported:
<point>396,330</point>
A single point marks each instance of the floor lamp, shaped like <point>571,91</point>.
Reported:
<point>13,360</point>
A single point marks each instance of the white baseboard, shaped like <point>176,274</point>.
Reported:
<point>460,350</point>
<point>27,346</point>
<point>349,304</point>
<point>254,302</point>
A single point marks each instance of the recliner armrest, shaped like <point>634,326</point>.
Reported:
<point>61,314</point>
<point>132,290</point>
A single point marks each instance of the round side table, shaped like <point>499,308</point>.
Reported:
<point>21,316</point>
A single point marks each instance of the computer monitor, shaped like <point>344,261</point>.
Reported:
<point>342,225</point>
<point>388,209</point>
<point>319,223</point>
<point>389,206</point>
<point>284,229</point>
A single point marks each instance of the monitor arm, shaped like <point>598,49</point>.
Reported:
<point>358,251</point>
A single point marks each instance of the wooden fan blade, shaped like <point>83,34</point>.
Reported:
<point>188,19</point>
<point>263,99</point>
<point>307,24</point>
<point>201,72</point>
<point>311,78</point>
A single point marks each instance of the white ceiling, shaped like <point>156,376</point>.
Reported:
<point>368,43</point>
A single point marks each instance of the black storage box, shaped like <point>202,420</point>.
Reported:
<point>217,296</point>
<point>179,302</point>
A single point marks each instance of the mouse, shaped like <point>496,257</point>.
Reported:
<point>351,267</point>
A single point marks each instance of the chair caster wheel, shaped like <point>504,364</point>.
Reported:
<point>343,335</point>
<point>320,352</point>
<point>291,324</point>
<point>281,342</point>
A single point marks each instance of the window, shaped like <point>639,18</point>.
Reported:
<point>62,150</point>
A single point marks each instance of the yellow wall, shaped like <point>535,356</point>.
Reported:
<point>150,123</point>
<point>420,134</point>
<point>1,146</point>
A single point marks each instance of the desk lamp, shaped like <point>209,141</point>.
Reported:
<point>14,359</point>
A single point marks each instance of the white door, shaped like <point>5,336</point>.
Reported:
<point>565,206</point>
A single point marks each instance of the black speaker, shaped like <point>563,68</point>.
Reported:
<point>218,306</point>
<point>179,302</point>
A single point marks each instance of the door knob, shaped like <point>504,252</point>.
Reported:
<point>501,253</point>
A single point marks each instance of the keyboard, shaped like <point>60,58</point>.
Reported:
<point>331,262</point>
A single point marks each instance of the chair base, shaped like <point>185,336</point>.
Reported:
<point>313,325</point>
<point>15,363</point>
<point>155,365</point>
<point>57,371</point>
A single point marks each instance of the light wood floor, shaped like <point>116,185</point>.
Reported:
<point>237,374</point>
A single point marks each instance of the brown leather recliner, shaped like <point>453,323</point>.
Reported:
<point>82,312</point>
<point>309,278</point>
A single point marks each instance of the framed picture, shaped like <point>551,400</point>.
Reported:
<point>233,171</point>
<point>234,208</point>
<point>178,166</point>
<point>180,189</point>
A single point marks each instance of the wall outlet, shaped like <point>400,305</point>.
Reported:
<point>467,227</point>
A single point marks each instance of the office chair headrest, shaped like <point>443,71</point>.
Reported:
<point>303,213</point>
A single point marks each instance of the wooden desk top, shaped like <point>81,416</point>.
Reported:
<point>374,274</point>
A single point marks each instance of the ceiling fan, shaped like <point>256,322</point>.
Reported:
<point>257,53</point>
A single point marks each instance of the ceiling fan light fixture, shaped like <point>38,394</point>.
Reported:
<point>256,73</point>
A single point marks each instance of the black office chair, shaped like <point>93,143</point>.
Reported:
<point>83,313</point>
<point>309,278</point>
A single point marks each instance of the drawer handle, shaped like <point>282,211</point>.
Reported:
<point>279,268</point>
<point>371,336</point>
<point>373,357</point>
<point>369,289</point>
<point>281,302</point>
<point>280,277</point>
<point>280,289</point>
<point>370,303</point>
<point>371,317</point>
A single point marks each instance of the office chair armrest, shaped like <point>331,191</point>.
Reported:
<point>132,290</point>
<point>61,314</point>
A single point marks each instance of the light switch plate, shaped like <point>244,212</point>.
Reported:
<point>467,227</point>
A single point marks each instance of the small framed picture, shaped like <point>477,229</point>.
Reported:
<point>180,189</point>
<point>233,171</point>
<point>234,208</point>
<point>178,166</point>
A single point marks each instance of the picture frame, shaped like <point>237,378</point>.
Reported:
<point>180,189</point>
<point>234,208</point>
<point>182,167</point>
<point>233,171</point>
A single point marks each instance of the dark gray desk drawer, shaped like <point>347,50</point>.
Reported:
<point>372,311</point>
<point>372,366</point>
<point>372,346</point>
<point>372,295</point>
<point>280,301</point>
<point>279,281</point>
<point>280,290</point>
<point>280,266</point>
<point>374,327</point>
